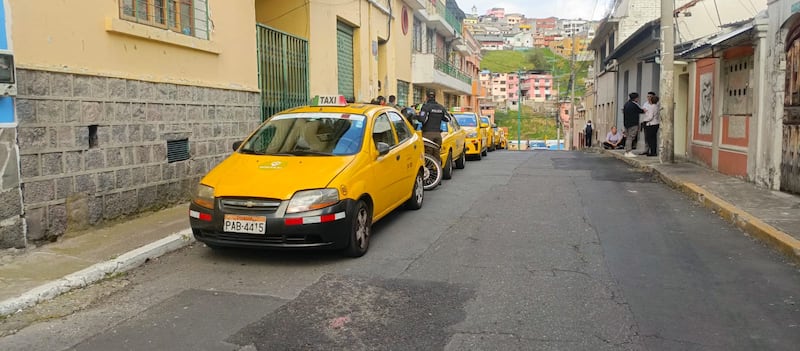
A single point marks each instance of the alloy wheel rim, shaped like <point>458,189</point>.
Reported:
<point>362,232</point>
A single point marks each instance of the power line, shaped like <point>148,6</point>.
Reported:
<point>718,17</point>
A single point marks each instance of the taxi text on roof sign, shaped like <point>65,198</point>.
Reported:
<point>329,100</point>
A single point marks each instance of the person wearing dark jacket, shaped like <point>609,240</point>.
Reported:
<point>630,119</point>
<point>431,115</point>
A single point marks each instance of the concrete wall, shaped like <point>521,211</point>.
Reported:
<point>68,184</point>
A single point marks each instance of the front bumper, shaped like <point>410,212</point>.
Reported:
<point>324,228</point>
<point>473,146</point>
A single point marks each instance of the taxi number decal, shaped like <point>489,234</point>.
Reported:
<point>245,224</point>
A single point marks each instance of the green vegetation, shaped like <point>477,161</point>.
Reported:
<point>533,125</point>
<point>505,61</point>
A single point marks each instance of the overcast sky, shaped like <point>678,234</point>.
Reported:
<point>571,9</point>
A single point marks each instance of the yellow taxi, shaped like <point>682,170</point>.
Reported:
<point>498,137</point>
<point>477,141</point>
<point>487,128</point>
<point>315,176</point>
<point>453,150</point>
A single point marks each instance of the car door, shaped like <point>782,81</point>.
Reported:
<point>409,153</point>
<point>385,166</point>
<point>459,137</point>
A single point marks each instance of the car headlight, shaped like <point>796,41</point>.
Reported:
<point>308,200</point>
<point>204,196</point>
<point>472,135</point>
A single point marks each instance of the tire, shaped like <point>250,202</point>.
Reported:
<point>447,170</point>
<point>360,230</point>
<point>433,172</point>
<point>461,162</point>
<point>417,193</point>
<point>485,151</point>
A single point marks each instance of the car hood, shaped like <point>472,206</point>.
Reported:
<point>470,129</point>
<point>275,177</point>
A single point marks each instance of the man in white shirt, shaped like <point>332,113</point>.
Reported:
<point>613,139</point>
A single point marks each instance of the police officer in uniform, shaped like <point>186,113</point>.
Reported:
<point>431,116</point>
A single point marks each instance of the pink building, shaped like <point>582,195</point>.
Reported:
<point>539,86</point>
<point>497,12</point>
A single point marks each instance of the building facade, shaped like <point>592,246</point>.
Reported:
<point>118,119</point>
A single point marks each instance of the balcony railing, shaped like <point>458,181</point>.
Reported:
<point>449,17</point>
<point>445,67</point>
<point>441,10</point>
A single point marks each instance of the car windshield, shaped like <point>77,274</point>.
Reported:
<point>308,134</point>
<point>467,120</point>
<point>485,120</point>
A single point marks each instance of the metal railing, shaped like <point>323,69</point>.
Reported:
<point>282,70</point>
<point>445,67</point>
<point>441,10</point>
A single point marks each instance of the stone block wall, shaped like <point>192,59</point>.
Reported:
<point>94,149</point>
<point>12,232</point>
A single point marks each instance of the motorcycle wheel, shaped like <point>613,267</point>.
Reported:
<point>433,173</point>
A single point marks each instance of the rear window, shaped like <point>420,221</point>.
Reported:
<point>467,120</point>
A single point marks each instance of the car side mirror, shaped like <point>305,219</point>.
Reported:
<point>383,148</point>
<point>236,145</point>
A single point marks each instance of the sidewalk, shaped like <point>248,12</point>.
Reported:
<point>77,260</point>
<point>38,274</point>
<point>771,216</point>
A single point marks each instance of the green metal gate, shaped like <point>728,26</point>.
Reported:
<point>282,70</point>
<point>344,45</point>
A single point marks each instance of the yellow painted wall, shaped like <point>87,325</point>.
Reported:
<point>369,23</point>
<point>290,16</point>
<point>401,44</point>
<point>72,36</point>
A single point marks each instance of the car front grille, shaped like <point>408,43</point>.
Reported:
<point>244,204</point>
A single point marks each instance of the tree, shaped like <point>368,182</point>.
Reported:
<point>538,59</point>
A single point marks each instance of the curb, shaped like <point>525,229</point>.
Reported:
<point>96,272</point>
<point>751,225</point>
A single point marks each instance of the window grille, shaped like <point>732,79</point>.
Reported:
<point>189,17</point>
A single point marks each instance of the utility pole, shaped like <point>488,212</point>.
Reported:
<point>519,110</point>
<point>570,142</point>
<point>666,153</point>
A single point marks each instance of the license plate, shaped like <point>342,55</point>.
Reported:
<point>245,224</point>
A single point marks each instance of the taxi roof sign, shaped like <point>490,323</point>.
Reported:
<point>329,100</point>
<point>455,109</point>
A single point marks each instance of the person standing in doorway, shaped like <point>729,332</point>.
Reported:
<point>630,118</point>
<point>588,132</point>
<point>652,121</point>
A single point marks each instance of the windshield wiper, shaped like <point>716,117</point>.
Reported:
<point>250,152</point>
<point>307,153</point>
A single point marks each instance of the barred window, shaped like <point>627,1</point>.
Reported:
<point>189,17</point>
<point>402,93</point>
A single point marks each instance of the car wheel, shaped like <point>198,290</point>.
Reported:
<point>360,230</point>
<point>447,171</point>
<point>418,193</point>
<point>485,151</point>
<point>461,162</point>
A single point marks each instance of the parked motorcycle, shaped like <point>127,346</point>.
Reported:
<point>432,174</point>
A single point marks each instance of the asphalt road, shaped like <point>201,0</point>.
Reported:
<point>536,250</point>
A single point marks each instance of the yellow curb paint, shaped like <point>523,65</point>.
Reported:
<point>747,222</point>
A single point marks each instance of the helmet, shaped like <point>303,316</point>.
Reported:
<point>409,113</point>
